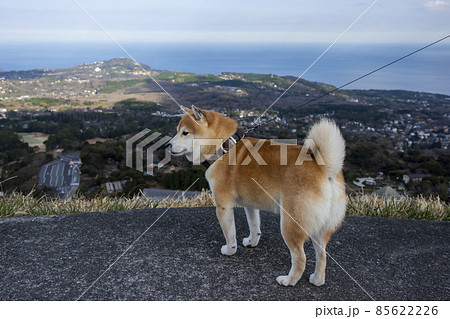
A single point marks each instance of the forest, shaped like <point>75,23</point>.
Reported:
<point>70,130</point>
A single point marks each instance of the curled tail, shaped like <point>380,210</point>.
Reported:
<point>328,139</point>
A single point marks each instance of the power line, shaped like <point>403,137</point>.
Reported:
<point>131,57</point>
<point>355,80</point>
<point>316,60</point>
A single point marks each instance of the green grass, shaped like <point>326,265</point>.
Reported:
<point>186,77</point>
<point>16,204</point>
<point>27,138</point>
<point>46,101</point>
<point>112,86</point>
<point>284,81</point>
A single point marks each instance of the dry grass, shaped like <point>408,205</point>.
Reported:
<point>16,204</point>
<point>95,140</point>
<point>431,208</point>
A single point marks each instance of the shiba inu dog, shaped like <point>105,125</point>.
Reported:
<point>304,184</point>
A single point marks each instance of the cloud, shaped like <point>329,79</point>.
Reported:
<point>437,5</point>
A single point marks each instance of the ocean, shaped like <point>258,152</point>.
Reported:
<point>427,71</point>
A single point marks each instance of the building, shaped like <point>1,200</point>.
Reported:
<point>363,181</point>
<point>415,178</point>
<point>113,187</point>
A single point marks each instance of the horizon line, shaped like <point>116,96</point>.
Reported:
<point>10,42</point>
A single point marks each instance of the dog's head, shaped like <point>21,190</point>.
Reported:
<point>200,134</point>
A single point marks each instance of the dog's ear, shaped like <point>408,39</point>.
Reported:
<point>186,110</point>
<point>198,115</point>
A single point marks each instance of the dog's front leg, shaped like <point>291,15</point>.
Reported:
<point>226,220</point>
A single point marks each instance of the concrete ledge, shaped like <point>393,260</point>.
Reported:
<point>58,257</point>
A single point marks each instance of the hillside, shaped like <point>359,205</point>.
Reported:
<point>102,83</point>
<point>390,134</point>
<point>114,68</point>
<point>124,76</point>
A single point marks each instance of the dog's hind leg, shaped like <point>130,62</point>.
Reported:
<point>320,243</point>
<point>225,214</point>
<point>254,226</point>
<point>294,237</point>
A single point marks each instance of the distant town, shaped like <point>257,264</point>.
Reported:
<point>63,131</point>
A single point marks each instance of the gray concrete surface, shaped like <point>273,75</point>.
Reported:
<point>159,194</point>
<point>58,257</point>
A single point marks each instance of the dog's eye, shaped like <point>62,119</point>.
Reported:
<point>185,133</point>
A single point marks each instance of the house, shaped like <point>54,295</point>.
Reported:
<point>112,187</point>
<point>363,181</point>
<point>415,178</point>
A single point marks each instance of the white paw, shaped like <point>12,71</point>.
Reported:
<point>315,280</point>
<point>228,251</point>
<point>249,242</point>
<point>252,242</point>
<point>285,281</point>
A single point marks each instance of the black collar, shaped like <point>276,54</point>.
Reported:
<point>228,144</point>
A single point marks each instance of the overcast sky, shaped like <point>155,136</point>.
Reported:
<point>146,21</point>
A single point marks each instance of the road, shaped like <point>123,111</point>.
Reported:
<point>62,176</point>
<point>164,193</point>
<point>178,258</point>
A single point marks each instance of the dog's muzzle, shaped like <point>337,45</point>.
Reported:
<point>169,146</point>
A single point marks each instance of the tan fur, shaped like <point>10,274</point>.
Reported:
<point>312,201</point>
